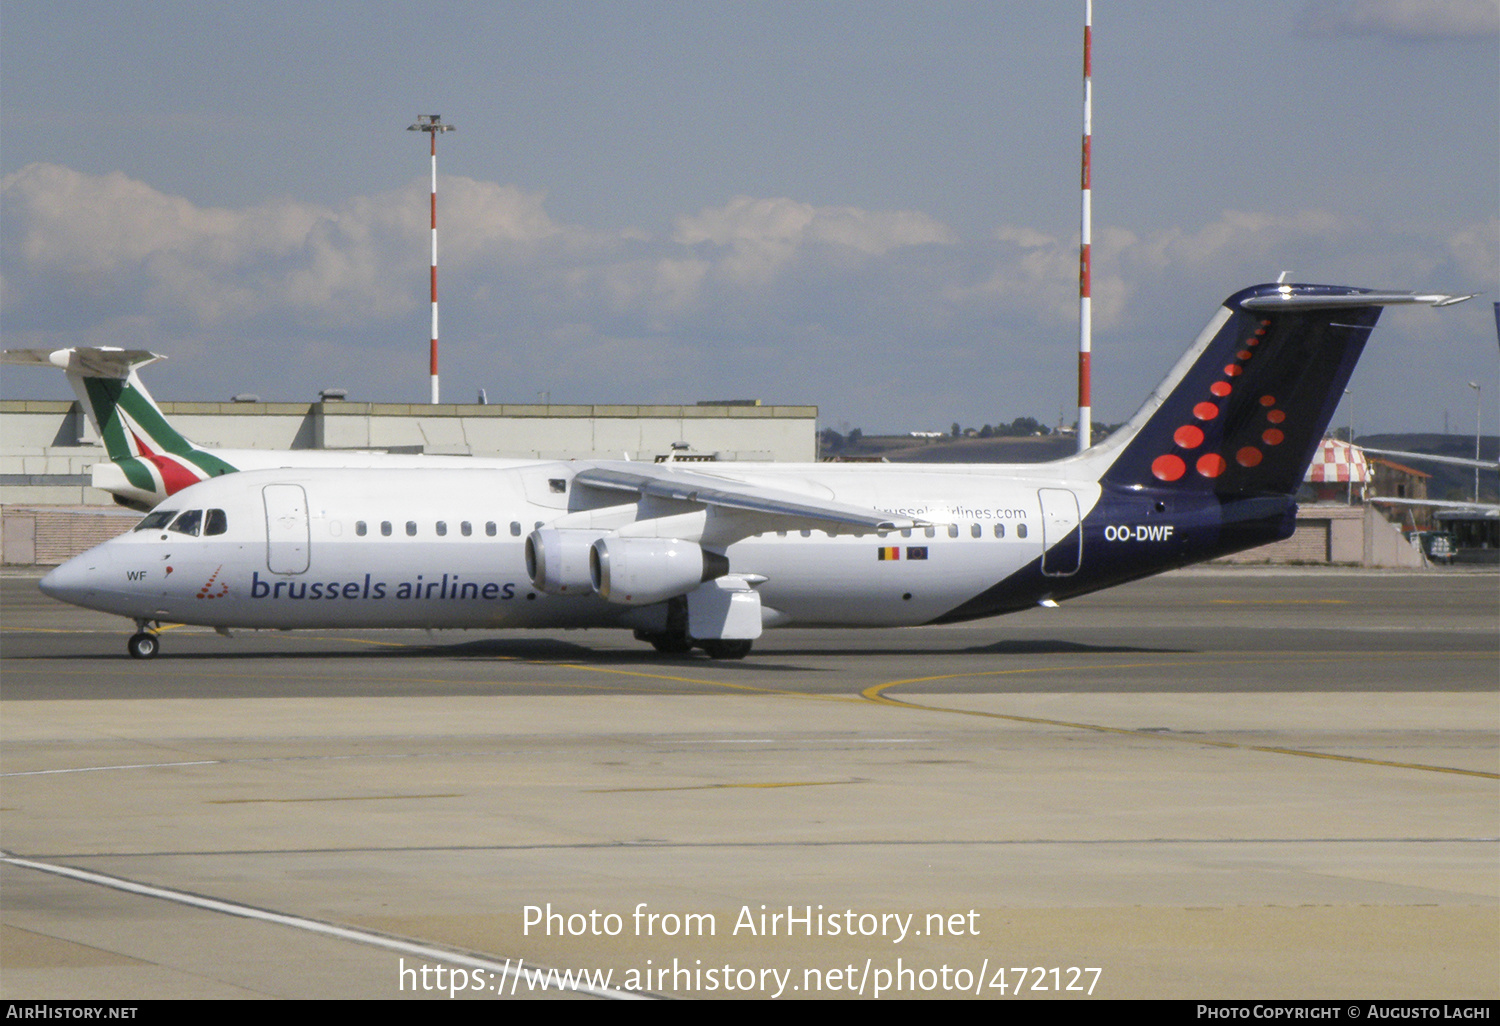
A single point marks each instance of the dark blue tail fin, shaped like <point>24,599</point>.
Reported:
<point>1243,411</point>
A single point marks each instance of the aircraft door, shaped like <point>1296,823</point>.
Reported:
<point>286,529</point>
<point>1060,518</point>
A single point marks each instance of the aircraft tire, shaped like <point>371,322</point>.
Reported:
<point>727,648</point>
<point>143,645</point>
<point>666,642</point>
<point>669,645</point>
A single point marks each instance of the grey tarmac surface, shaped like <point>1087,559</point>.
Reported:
<point>1221,783</point>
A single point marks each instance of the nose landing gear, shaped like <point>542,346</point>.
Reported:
<point>144,643</point>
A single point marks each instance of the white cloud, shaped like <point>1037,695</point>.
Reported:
<point>1402,19</point>
<point>773,298</point>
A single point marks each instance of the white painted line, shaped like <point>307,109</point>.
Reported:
<point>516,973</point>
<point>98,769</point>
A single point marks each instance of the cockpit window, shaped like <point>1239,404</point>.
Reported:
<point>155,521</point>
<point>189,523</point>
<point>216,522</point>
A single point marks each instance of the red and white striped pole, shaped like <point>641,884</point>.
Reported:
<point>1086,238</point>
<point>432,124</point>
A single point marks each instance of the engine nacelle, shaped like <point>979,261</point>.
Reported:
<point>640,571</point>
<point>557,561</point>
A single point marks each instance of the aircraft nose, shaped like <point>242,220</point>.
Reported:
<point>76,580</point>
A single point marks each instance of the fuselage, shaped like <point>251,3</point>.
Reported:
<point>445,548</point>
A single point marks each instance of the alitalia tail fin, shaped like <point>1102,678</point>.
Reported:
<point>149,459</point>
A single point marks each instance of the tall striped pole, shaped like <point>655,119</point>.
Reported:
<point>432,124</point>
<point>1086,239</point>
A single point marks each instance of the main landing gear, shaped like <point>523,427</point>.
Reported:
<point>675,640</point>
<point>144,643</point>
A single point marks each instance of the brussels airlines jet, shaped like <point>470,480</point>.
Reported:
<point>705,558</point>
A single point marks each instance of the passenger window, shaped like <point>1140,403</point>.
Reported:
<point>906,532</point>
<point>807,532</point>
<point>217,522</point>
<point>411,528</point>
<point>156,521</point>
<point>385,528</point>
<point>359,528</point>
<point>952,530</point>
<point>999,530</point>
<point>515,529</point>
<point>489,528</point>
<point>931,532</point>
<point>975,531</point>
<point>1020,530</point>
<point>188,523</point>
<point>442,529</point>
<point>465,528</point>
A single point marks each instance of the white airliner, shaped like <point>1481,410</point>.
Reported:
<point>709,556</point>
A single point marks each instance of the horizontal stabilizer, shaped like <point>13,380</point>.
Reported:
<point>88,361</point>
<point>1288,297</point>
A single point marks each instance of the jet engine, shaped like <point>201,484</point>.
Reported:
<point>557,561</point>
<point>640,571</point>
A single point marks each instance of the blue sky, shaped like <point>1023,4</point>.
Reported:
<point>868,206</point>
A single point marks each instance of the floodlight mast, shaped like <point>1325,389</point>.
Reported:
<point>433,124</point>
<point>1086,238</point>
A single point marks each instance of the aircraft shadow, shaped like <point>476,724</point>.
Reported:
<point>551,650</point>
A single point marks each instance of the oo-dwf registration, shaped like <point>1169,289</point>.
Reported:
<point>708,556</point>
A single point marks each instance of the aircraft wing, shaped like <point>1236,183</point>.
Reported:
<point>1457,461</point>
<point>663,481</point>
<point>1483,507</point>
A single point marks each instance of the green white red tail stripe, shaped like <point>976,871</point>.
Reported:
<point>153,456</point>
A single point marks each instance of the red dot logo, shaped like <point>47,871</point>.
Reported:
<point>1212,464</point>
<point>1276,416</point>
<point>1188,436</point>
<point>1272,437</point>
<point>1244,354</point>
<point>1205,411</point>
<point>1268,400</point>
<point>1220,388</point>
<point>1234,370</point>
<point>1249,456</point>
<point>1168,468</point>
